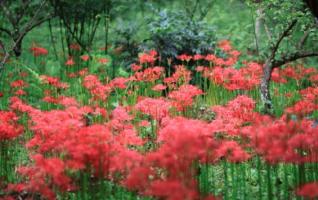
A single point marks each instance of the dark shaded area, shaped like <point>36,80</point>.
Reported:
<point>313,6</point>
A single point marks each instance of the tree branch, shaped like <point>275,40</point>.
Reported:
<point>37,23</point>
<point>293,57</point>
<point>21,35</point>
<point>303,39</point>
<point>281,37</point>
<point>5,31</point>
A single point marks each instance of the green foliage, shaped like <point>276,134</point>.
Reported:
<point>277,15</point>
<point>173,33</point>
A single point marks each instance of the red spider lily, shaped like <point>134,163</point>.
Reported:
<point>135,67</point>
<point>308,103</point>
<point>149,74</point>
<point>308,190</point>
<point>183,142</point>
<point>103,60</point>
<point>53,81</point>
<point>232,151</point>
<point>83,72</point>
<point>20,92</point>
<point>153,53</point>
<point>230,118</point>
<point>156,108</point>
<point>297,72</point>
<point>277,76</point>
<point>310,94</point>
<point>17,105</point>
<point>38,51</point>
<point>41,176</point>
<point>119,82</point>
<point>210,57</point>
<point>198,57</point>
<point>148,57</point>
<point>18,84</point>
<point>199,68</point>
<point>184,57</point>
<point>70,62</point>
<point>234,53</point>
<point>159,87</point>
<point>302,108</point>
<point>172,190</point>
<point>225,45</point>
<point>85,57</point>
<point>183,97</point>
<point>96,88</point>
<point>120,114</point>
<point>245,78</point>
<point>285,140</point>
<point>181,76</point>
<point>9,127</point>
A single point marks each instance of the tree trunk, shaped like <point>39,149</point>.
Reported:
<point>265,93</point>
<point>18,47</point>
<point>258,25</point>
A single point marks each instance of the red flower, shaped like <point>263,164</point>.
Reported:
<point>18,84</point>
<point>119,82</point>
<point>103,60</point>
<point>85,57</point>
<point>183,97</point>
<point>159,87</point>
<point>148,57</point>
<point>184,57</point>
<point>309,190</point>
<point>70,62</point>
<point>225,45</point>
<point>9,127</point>
<point>20,92</point>
<point>38,51</point>
<point>198,57</point>
<point>156,108</point>
<point>135,67</point>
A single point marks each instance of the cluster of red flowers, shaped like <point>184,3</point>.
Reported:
<point>149,74</point>
<point>183,97</point>
<point>181,76</point>
<point>111,144</point>
<point>18,87</point>
<point>53,81</point>
<point>233,116</point>
<point>98,90</point>
<point>149,57</point>
<point>9,127</point>
<point>156,108</point>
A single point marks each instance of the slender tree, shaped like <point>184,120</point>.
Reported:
<point>292,27</point>
<point>20,17</point>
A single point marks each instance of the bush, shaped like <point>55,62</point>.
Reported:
<point>174,33</point>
